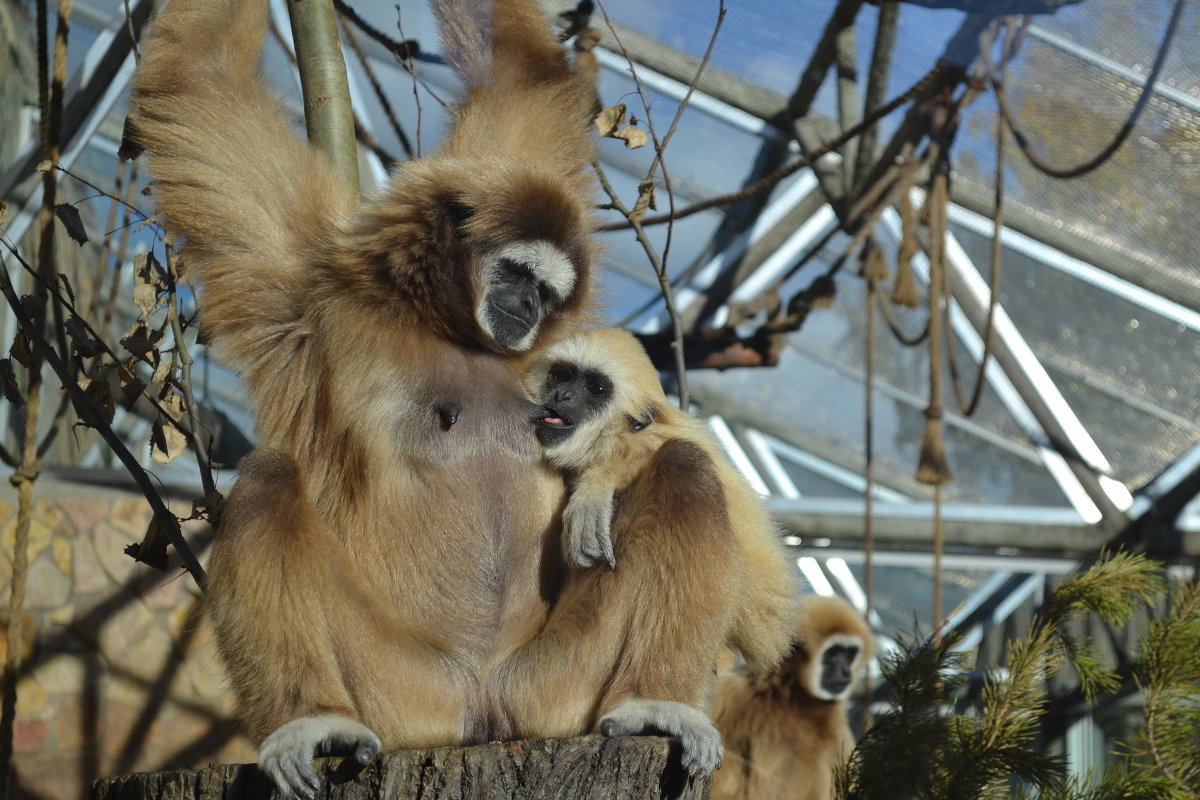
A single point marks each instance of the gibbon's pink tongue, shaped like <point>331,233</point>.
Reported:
<point>553,421</point>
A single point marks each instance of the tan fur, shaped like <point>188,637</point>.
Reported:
<point>781,742</point>
<point>373,562</point>
<point>604,457</point>
<point>650,628</point>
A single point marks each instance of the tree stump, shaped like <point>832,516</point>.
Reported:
<point>623,768</point>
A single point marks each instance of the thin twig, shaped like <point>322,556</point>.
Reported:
<point>660,145</point>
<point>408,65</point>
<point>373,79</point>
<point>768,181</point>
<point>203,460</point>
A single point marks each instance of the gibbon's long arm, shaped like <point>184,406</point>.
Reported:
<point>256,204</point>
<point>524,98</point>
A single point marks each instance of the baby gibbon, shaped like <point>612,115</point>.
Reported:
<point>692,562</point>
<point>382,552</point>
<point>607,417</point>
<point>787,733</point>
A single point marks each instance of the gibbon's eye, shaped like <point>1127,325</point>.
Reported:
<point>596,383</point>
<point>561,373</point>
<point>459,212</point>
<point>636,425</point>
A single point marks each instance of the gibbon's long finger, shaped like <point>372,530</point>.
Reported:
<point>287,754</point>
<point>702,745</point>
<point>587,530</point>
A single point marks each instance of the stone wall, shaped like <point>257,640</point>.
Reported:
<point>120,669</point>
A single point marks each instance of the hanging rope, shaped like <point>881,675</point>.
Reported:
<point>1143,99</point>
<point>932,467</point>
<point>24,476</point>
<point>969,406</point>
<point>869,475</point>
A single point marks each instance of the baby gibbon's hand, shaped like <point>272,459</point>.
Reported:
<point>587,528</point>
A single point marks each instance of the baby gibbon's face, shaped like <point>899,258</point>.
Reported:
<point>570,396</point>
<point>595,388</point>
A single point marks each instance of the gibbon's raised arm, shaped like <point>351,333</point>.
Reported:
<point>256,204</point>
<point>523,99</point>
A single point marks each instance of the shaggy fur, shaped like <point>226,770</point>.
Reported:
<point>783,742</point>
<point>651,628</point>
<point>379,555</point>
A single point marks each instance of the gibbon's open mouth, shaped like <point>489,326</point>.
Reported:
<point>551,426</point>
<point>551,418</point>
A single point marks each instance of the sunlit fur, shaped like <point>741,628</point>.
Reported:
<point>631,646</point>
<point>783,740</point>
<point>375,562</point>
<point>606,454</point>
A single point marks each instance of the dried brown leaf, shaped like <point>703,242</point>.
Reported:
<point>98,391</point>
<point>161,373</point>
<point>167,442</point>
<point>131,385</point>
<point>150,272</point>
<point>142,341</point>
<point>153,548</point>
<point>8,380</point>
<point>609,119</point>
<point>68,215</point>
<point>66,284</point>
<point>645,201</point>
<point>20,350</point>
<point>86,345</point>
<point>146,298</point>
<point>634,137</point>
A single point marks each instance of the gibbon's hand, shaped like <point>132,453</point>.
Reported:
<point>702,745</point>
<point>287,754</point>
<point>587,528</point>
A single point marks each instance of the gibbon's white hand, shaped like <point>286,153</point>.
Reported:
<point>587,528</point>
<point>702,745</point>
<point>287,754</point>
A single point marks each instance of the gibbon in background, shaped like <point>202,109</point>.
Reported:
<point>786,733</point>
<point>381,553</point>
<point>682,562</point>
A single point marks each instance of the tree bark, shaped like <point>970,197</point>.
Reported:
<point>624,768</point>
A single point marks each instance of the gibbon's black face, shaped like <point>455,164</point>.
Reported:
<point>570,397</point>
<point>524,284</point>
<point>837,667</point>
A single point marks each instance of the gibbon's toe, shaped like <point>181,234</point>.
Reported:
<point>287,754</point>
<point>702,745</point>
<point>366,752</point>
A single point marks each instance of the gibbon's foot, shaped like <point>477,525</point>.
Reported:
<point>587,531</point>
<point>287,754</point>
<point>702,746</point>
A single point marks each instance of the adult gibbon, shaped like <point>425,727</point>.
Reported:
<point>695,564</point>
<point>381,553</point>
<point>787,733</point>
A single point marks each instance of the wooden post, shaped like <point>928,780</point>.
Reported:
<point>595,767</point>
